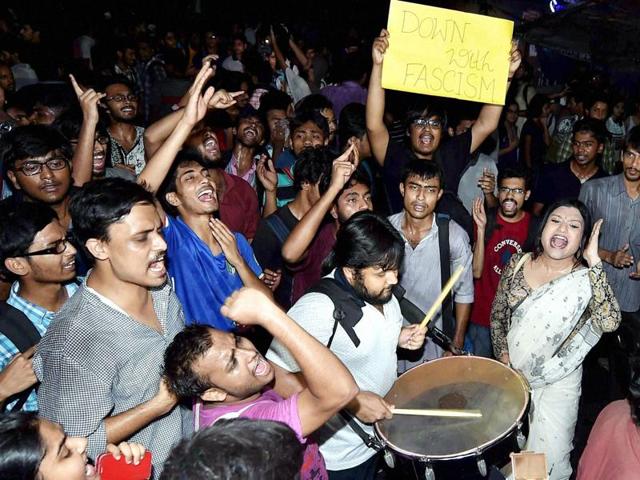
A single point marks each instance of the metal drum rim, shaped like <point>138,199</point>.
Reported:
<point>480,448</point>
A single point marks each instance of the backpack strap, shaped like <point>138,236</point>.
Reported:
<point>448,318</point>
<point>277,225</point>
<point>23,334</point>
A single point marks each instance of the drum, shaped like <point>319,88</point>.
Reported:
<point>444,447</point>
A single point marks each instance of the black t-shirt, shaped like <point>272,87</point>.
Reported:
<point>268,251</point>
<point>452,156</point>
<point>557,181</point>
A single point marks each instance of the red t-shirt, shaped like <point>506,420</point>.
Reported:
<point>506,239</point>
<point>239,207</point>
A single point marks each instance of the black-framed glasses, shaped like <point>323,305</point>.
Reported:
<point>121,98</point>
<point>517,191</point>
<point>57,248</point>
<point>102,140</point>
<point>31,167</point>
<point>434,123</point>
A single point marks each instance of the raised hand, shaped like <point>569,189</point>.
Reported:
<point>342,169</point>
<point>266,173</point>
<point>515,58</point>
<point>249,306</point>
<point>380,45</point>
<point>89,100</point>
<point>197,103</point>
<point>223,99</point>
<point>591,251</point>
<point>487,182</point>
<point>227,241</point>
<point>479,215</point>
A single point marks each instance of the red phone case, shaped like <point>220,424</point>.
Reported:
<point>111,469</point>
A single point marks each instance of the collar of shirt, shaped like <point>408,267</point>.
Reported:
<point>430,234</point>
<point>40,317</point>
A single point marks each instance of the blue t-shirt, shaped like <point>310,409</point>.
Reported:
<point>202,280</point>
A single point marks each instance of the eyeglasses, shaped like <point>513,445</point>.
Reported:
<point>517,191</point>
<point>431,122</point>
<point>57,248</point>
<point>121,98</point>
<point>31,168</point>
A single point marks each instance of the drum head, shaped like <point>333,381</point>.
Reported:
<point>454,383</point>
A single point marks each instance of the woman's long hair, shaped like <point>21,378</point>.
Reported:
<point>586,232</point>
<point>21,449</point>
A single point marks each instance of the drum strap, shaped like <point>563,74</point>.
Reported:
<point>369,440</point>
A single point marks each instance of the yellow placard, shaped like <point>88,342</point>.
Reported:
<point>447,53</point>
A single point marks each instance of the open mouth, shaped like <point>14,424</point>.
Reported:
<point>70,265</point>
<point>127,110</point>
<point>210,145</point>
<point>206,195</point>
<point>559,241</point>
<point>509,205</point>
<point>419,207</point>
<point>157,266</point>
<point>262,367</point>
<point>250,132</point>
<point>426,139</point>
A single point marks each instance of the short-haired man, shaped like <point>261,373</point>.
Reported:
<point>424,132</point>
<point>233,62</point>
<point>313,165</point>
<point>312,239</point>
<point>249,136</point>
<point>564,180</point>
<point>37,257</point>
<point>100,362</point>
<point>616,199</point>
<point>366,260</point>
<point>188,202</point>
<point>125,137</point>
<point>420,227</point>
<point>230,377</point>
<point>500,233</point>
<point>35,160</point>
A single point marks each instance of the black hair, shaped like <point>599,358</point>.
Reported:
<point>312,165</point>
<point>169,184</point>
<point>21,447</point>
<point>352,123</point>
<point>54,96</point>
<point>274,100</point>
<point>536,105</point>
<point>237,448</point>
<point>185,349</point>
<point>591,125</point>
<point>313,116</point>
<point>124,44</point>
<point>69,124</point>
<point>359,176</point>
<point>634,387</point>
<point>595,98</point>
<point>315,101</point>
<point>250,112</point>
<point>423,169</point>
<point>31,141</point>
<point>175,58</point>
<point>633,138</point>
<point>586,232</point>
<point>115,80</point>
<point>515,171</point>
<point>423,108</point>
<point>367,239</point>
<point>100,204</point>
<point>18,227</point>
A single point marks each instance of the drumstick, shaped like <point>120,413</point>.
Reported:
<point>437,412</point>
<point>445,291</point>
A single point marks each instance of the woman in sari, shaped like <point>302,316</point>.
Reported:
<point>548,313</point>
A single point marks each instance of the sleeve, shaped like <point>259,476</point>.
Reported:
<point>314,313</point>
<point>7,351</point>
<point>586,196</point>
<point>75,398</point>
<point>540,193</point>
<point>461,256</point>
<point>565,151</point>
<point>266,247</point>
<point>456,154</point>
<point>500,311</point>
<point>247,253</point>
<point>284,411</point>
<point>605,312</point>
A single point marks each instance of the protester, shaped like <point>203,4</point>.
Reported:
<point>550,353</point>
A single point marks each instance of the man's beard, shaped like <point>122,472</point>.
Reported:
<point>374,299</point>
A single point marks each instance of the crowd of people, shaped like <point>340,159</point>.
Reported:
<point>202,234</point>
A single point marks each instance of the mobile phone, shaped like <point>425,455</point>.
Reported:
<point>111,469</point>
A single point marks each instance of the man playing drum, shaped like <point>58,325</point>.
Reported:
<point>365,261</point>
